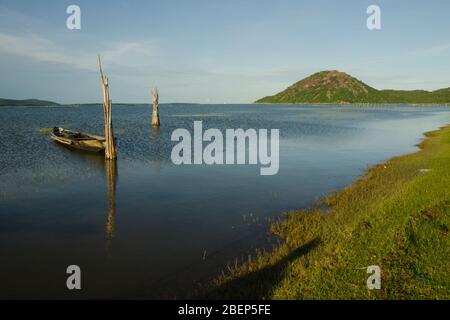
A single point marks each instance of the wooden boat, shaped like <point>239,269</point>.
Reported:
<point>78,140</point>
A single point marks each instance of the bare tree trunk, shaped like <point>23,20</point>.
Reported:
<point>110,148</point>
<point>155,115</point>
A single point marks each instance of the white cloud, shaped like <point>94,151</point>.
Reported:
<point>437,50</point>
<point>131,53</point>
<point>40,49</point>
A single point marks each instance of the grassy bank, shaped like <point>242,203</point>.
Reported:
<point>397,217</point>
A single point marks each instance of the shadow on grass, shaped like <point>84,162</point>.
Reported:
<point>260,284</point>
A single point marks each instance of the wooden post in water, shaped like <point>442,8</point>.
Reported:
<point>110,148</point>
<point>155,116</point>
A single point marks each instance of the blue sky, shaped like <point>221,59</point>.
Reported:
<point>216,51</point>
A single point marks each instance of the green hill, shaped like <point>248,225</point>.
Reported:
<point>27,102</point>
<point>340,88</point>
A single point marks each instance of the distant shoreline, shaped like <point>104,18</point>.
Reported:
<point>77,105</point>
<point>354,104</point>
<point>26,103</point>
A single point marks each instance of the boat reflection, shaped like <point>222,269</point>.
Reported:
<point>95,161</point>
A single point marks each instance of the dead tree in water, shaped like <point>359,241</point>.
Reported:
<point>155,116</point>
<point>110,148</point>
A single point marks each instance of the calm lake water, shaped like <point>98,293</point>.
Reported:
<point>145,228</point>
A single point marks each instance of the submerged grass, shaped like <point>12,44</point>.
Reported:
<point>397,217</point>
<point>200,115</point>
<point>45,130</point>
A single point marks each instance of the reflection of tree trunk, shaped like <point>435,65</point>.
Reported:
<point>111,178</point>
<point>156,152</point>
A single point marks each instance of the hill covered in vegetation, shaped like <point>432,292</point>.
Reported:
<point>341,88</point>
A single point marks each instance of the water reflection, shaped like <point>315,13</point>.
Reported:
<point>52,198</point>
<point>95,162</point>
<point>111,179</point>
<point>156,152</point>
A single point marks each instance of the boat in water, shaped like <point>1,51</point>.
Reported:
<point>78,140</point>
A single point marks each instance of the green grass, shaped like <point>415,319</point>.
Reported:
<point>397,217</point>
